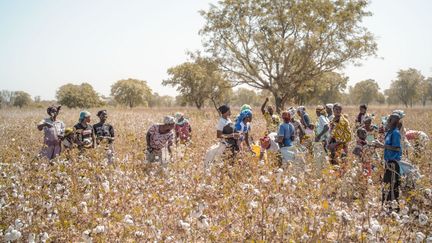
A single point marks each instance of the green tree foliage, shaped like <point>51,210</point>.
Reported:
<point>365,92</point>
<point>21,99</point>
<point>198,81</point>
<point>326,88</point>
<point>405,87</point>
<point>78,96</point>
<point>131,92</point>
<point>425,90</point>
<point>243,96</point>
<point>157,100</point>
<point>279,45</point>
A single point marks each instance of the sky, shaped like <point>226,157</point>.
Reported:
<point>47,43</point>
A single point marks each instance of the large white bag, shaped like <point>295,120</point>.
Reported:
<point>213,153</point>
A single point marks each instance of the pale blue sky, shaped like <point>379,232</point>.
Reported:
<point>47,43</point>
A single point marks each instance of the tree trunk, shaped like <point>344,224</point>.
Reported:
<point>279,103</point>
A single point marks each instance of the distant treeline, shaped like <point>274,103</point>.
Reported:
<point>410,88</point>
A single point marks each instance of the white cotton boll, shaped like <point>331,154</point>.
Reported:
<point>83,206</point>
<point>419,237</point>
<point>87,196</point>
<point>12,235</point>
<point>304,238</point>
<point>139,234</point>
<point>86,236</point>
<point>128,219</point>
<point>264,179</point>
<point>423,219</point>
<point>282,210</point>
<point>428,192</point>
<point>375,227</point>
<point>99,229</point>
<point>106,186</point>
<point>18,224</point>
<point>184,225</point>
<point>203,222</point>
<point>44,237</point>
<point>253,204</point>
<point>31,238</point>
<point>256,192</point>
<point>293,180</point>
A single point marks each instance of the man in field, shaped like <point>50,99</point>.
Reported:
<point>105,134</point>
<point>53,133</point>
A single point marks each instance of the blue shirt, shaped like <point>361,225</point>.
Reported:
<point>286,130</point>
<point>393,138</point>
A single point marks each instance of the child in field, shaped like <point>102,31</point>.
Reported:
<point>361,116</point>
<point>53,133</point>
<point>183,129</point>
<point>360,151</point>
<point>371,129</point>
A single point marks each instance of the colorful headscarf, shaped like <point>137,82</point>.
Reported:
<point>245,107</point>
<point>83,115</point>
<point>180,119</point>
<point>244,114</point>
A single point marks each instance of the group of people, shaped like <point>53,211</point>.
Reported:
<point>82,135</point>
<point>326,140</point>
<point>330,135</point>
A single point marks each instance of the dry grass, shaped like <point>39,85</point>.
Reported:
<point>84,199</point>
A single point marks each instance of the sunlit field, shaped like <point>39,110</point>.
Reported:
<point>83,198</point>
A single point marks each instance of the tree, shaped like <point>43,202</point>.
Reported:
<point>161,101</point>
<point>279,45</point>
<point>326,88</point>
<point>405,86</point>
<point>81,96</point>
<point>425,90</point>
<point>131,92</point>
<point>365,92</point>
<point>6,98</point>
<point>246,96</point>
<point>21,99</point>
<point>199,80</point>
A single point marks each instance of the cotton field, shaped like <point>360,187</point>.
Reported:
<point>83,198</point>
